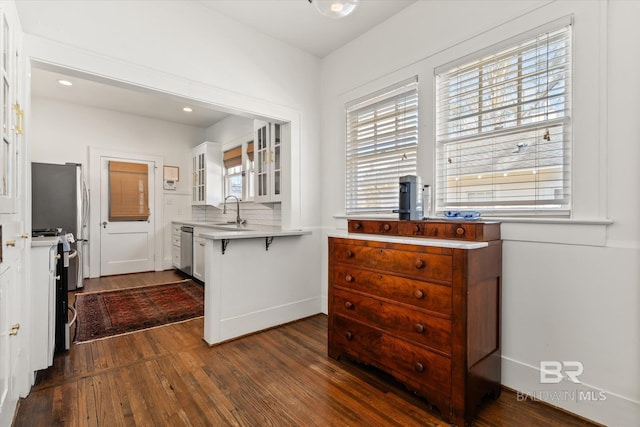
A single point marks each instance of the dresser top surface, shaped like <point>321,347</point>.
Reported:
<point>442,243</point>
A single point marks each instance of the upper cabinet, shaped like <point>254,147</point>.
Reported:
<point>268,152</point>
<point>207,174</point>
<point>12,114</point>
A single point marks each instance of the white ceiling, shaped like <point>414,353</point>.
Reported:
<point>149,104</point>
<point>294,22</point>
<point>297,23</point>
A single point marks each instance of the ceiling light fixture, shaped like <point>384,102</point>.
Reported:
<point>335,8</point>
<point>65,82</point>
<point>187,109</point>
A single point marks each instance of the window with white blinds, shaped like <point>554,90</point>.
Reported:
<point>503,134</point>
<point>382,142</point>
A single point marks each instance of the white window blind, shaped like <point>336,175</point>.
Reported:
<point>503,140</point>
<point>382,141</point>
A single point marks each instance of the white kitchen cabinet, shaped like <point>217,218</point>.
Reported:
<point>14,325</point>
<point>198,257</point>
<point>207,177</point>
<point>8,399</point>
<point>44,256</point>
<point>175,244</point>
<point>268,155</point>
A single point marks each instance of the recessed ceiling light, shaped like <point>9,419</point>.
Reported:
<point>187,109</point>
<point>65,82</point>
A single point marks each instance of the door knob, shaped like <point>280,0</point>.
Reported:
<point>104,224</point>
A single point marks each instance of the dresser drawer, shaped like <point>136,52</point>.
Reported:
<point>419,265</point>
<point>415,326</point>
<point>175,241</point>
<point>428,296</point>
<point>175,252</point>
<point>373,227</point>
<point>413,364</point>
<point>175,229</point>
<point>418,367</point>
<point>354,339</point>
<point>452,230</point>
<point>479,231</point>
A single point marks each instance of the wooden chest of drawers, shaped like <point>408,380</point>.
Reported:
<point>427,314</point>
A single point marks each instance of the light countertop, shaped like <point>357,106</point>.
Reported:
<point>442,243</point>
<point>44,241</point>
<point>224,231</point>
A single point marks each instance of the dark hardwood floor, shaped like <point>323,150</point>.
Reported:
<point>169,376</point>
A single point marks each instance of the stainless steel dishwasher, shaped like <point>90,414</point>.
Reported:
<point>186,249</point>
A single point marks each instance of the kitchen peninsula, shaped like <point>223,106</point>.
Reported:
<point>256,277</point>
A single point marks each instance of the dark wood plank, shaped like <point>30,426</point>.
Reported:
<point>169,376</point>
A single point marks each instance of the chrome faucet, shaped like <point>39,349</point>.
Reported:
<point>224,209</point>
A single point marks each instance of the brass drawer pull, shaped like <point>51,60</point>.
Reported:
<point>418,367</point>
<point>418,293</point>
<point>348,278</point>
<point>349,254</point>
<point>386,227</point>
<point>14,329</point>
<point>348,305</point>
<point>357,225</point>
<point>58,277</point>
<point>419,328</point>
<point>348,336</point>
<point>419,264</point>
<point>11,243</point>
<point>460,231</point>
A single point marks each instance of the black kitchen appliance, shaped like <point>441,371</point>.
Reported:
<point>186,249</point>
<point>409,198</point>
<point>62,340</point>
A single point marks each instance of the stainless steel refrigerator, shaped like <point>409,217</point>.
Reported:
<point>59,202</point>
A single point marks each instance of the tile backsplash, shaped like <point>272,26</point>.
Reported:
<point>254,213</point>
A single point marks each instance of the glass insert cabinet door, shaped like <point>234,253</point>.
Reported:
<point>6,137</point>
<point>262,169</point>
<point>268,168</point>
<point>11,116</point>
<point>198,190</point>
<point>275,151</point>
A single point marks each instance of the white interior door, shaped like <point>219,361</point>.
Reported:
<point>126,246</point>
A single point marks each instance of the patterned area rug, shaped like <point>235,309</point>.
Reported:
<point>109,313</point>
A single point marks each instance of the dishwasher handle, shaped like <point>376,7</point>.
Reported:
<point>186,229</point>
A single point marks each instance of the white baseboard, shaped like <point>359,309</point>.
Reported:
<point>581,399</point>
<point>259,320</point>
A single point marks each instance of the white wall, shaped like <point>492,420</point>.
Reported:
<point>570,287</point>
<point>231,131</point>
<point>61,132</point>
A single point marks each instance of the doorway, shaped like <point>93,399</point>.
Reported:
<point>124,245</point>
